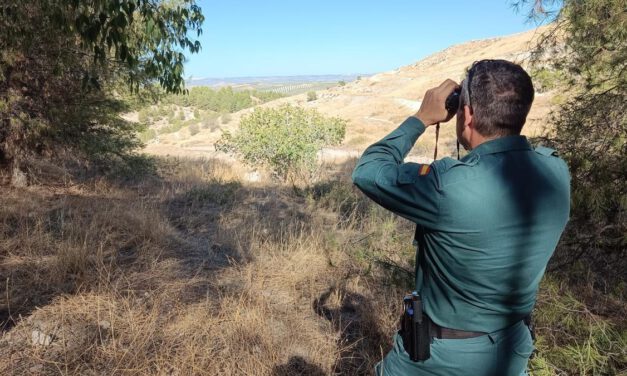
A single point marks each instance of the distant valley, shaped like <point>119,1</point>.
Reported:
<point>373,105</point>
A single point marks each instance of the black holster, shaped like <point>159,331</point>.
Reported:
<point>415,329</point>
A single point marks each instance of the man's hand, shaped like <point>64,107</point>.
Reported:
<point>432,109</point>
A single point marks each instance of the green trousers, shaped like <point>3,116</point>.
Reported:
<point>501,353</point>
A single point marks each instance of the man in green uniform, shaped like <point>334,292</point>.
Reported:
<point>486,224</point>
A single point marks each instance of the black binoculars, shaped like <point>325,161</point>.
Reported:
<point>452,102</point>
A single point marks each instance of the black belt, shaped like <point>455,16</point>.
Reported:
<point>441,332</point>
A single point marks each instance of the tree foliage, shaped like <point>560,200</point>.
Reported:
<point>64,65</point>
<point>223,100</point>
<point>286,139</point>
<point>588,42</point>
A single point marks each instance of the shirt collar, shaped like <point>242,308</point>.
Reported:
<point>502,144</point>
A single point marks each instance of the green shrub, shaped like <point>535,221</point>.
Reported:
<point>164,111</point>
<point>311,96</point>
<point>147,135</point>
<point>174,126</point>
<point>143,116</point>
<point>342,83</point>
<point>285,139</point>
<point>589,130</point>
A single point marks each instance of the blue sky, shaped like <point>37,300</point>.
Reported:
<point>281,37</point>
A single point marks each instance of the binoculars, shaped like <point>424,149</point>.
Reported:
<point>452,102</point>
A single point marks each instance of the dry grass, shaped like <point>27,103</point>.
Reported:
<point>197,272</point>
<point>189,273</point>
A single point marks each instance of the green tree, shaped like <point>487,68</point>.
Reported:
<point>585,47</point>
<point>311,96</point>
<point>285,139</point>
<point>224,99</point>
<point>66,65</point>
<point>590,127</point>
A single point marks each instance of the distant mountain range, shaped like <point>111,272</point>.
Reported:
<point>271,80</point>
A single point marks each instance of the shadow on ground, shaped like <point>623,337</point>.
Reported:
<point>172,236</point>
<point>297,366</point>
<point>352,315</point>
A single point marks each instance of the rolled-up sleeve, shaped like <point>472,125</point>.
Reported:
<point>407,189</point>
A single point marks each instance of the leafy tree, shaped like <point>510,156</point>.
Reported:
<point>224,100</point>
<point>65,66</point>
<point>311,96</point>
<point>545,79</point>
<point>590,127</point>
<point>585,47</point>
<point>285,139</point>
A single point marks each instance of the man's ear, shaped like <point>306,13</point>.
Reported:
<point>468,117</point>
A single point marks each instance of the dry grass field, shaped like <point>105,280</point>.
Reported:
<point>192,271</point>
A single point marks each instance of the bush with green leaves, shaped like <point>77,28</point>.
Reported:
<point>285,140</point>
<point>590,126</point>
<point>65,65</point>
<point>147,135</point>
<point>589,130</point>
<point>546,79</point>
<point>311,96</point>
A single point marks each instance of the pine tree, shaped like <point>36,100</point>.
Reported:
<point>590,126</point>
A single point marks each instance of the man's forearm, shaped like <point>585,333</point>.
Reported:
<point>392,149</point>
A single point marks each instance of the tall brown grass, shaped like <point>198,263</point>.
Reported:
<point>191,272</point>
<point>195,271</point>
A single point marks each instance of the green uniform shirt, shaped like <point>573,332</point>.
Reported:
<point>486,224</point>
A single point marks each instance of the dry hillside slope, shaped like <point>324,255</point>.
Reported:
<point>377,104</point>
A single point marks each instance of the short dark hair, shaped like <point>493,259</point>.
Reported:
<point>501,94</point>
